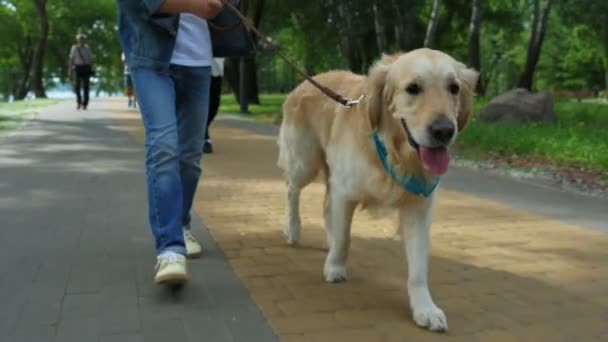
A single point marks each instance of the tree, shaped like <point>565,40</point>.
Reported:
<point>241,74</point>
<point>474,43</point>
<point>537,35</point>
<point>432,26</point>
<point>37,35</point>
<point>594,15</point>
<point>379,28</point>
<point>39,50</point>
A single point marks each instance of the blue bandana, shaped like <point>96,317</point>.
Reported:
<point>414,184</point>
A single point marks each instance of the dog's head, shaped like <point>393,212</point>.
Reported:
<point>426,94</point>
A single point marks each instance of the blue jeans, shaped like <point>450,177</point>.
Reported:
<point>174,109</point>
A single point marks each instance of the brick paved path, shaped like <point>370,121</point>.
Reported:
<point>501,274</point>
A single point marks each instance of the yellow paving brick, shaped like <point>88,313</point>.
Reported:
<point>497,336</point>
<point>345,335</point>
<point>535,333</point>
<point>312,305</point>
<point>500,274</point>
<point>407,331</point>
<point>369,317</point>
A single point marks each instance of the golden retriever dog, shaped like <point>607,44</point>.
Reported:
<point>371,153</point>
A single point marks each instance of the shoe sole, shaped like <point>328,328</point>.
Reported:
<point>172,279</point>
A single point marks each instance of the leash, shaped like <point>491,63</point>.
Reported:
<point>411,183</point>
<point>270,44</point>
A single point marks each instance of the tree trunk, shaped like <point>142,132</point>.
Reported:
<point>379,27</point>
<point>429,39</point>
<point>38,60</point>
<point>243,100</point>
<point>231,75</point>
<point>253,89</point>
<point>606,75</point>
<point>398,25</point>
<point>25,51</point>
<point>235,70</point>
<point>474,45</point>
<point>253,93</point>
<point>352,53</point>
<point>539,27</point>
<point>605,49</point>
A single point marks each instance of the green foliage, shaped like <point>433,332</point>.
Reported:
<point>19,29</point>
<point>574,54</point>
<point>579,138</point>
<point>324,35</point>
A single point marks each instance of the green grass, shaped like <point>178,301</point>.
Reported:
<point>268,109</point>
<point>579,138</point>
<point>14,114</point>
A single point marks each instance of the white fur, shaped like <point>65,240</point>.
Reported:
<point>415,223</point>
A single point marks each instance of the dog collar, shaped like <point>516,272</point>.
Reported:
<point>414,184</point>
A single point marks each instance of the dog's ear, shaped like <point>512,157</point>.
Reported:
<point>468,82</point>
<point>376,82</point>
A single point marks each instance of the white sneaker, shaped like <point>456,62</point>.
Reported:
<point>193,248</point>
<point>170,269</point>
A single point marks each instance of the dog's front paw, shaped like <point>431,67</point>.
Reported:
<point>432,318</point>
<point>334,273</point>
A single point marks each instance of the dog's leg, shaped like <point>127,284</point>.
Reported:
<point>415,221</point>
<point>293,225</point>
<point>339,215</point>
<point>326,215</point>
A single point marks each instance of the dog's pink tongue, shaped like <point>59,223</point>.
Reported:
<point>435,159</point>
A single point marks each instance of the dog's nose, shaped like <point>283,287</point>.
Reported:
<point>442,130</point>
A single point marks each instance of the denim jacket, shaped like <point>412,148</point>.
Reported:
<point>147,38</point>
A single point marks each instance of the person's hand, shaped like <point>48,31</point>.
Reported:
<point>208,9</point>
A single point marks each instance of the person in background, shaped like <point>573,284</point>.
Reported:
<point>81,66</point>
<point>215,97</point>
<point>129,90</point>
<point>168,49</point>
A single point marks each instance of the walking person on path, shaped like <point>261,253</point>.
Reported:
<point>129,90</point>
<point>168,51</point>
<point>81,66</point>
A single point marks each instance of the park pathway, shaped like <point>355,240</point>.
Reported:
<point>510,261</point>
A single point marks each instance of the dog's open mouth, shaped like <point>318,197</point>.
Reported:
<point>434,159</point>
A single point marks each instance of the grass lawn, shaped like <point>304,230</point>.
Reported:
<point>579,138</point>
<point>14,114</point>
<point>268,109</point>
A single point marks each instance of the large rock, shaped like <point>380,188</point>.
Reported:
<point>519,105</point>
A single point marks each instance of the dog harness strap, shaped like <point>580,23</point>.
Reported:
<point>414,184</point>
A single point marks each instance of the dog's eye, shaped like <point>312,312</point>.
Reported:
<point>413,89</point>
<point>454,88</point>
